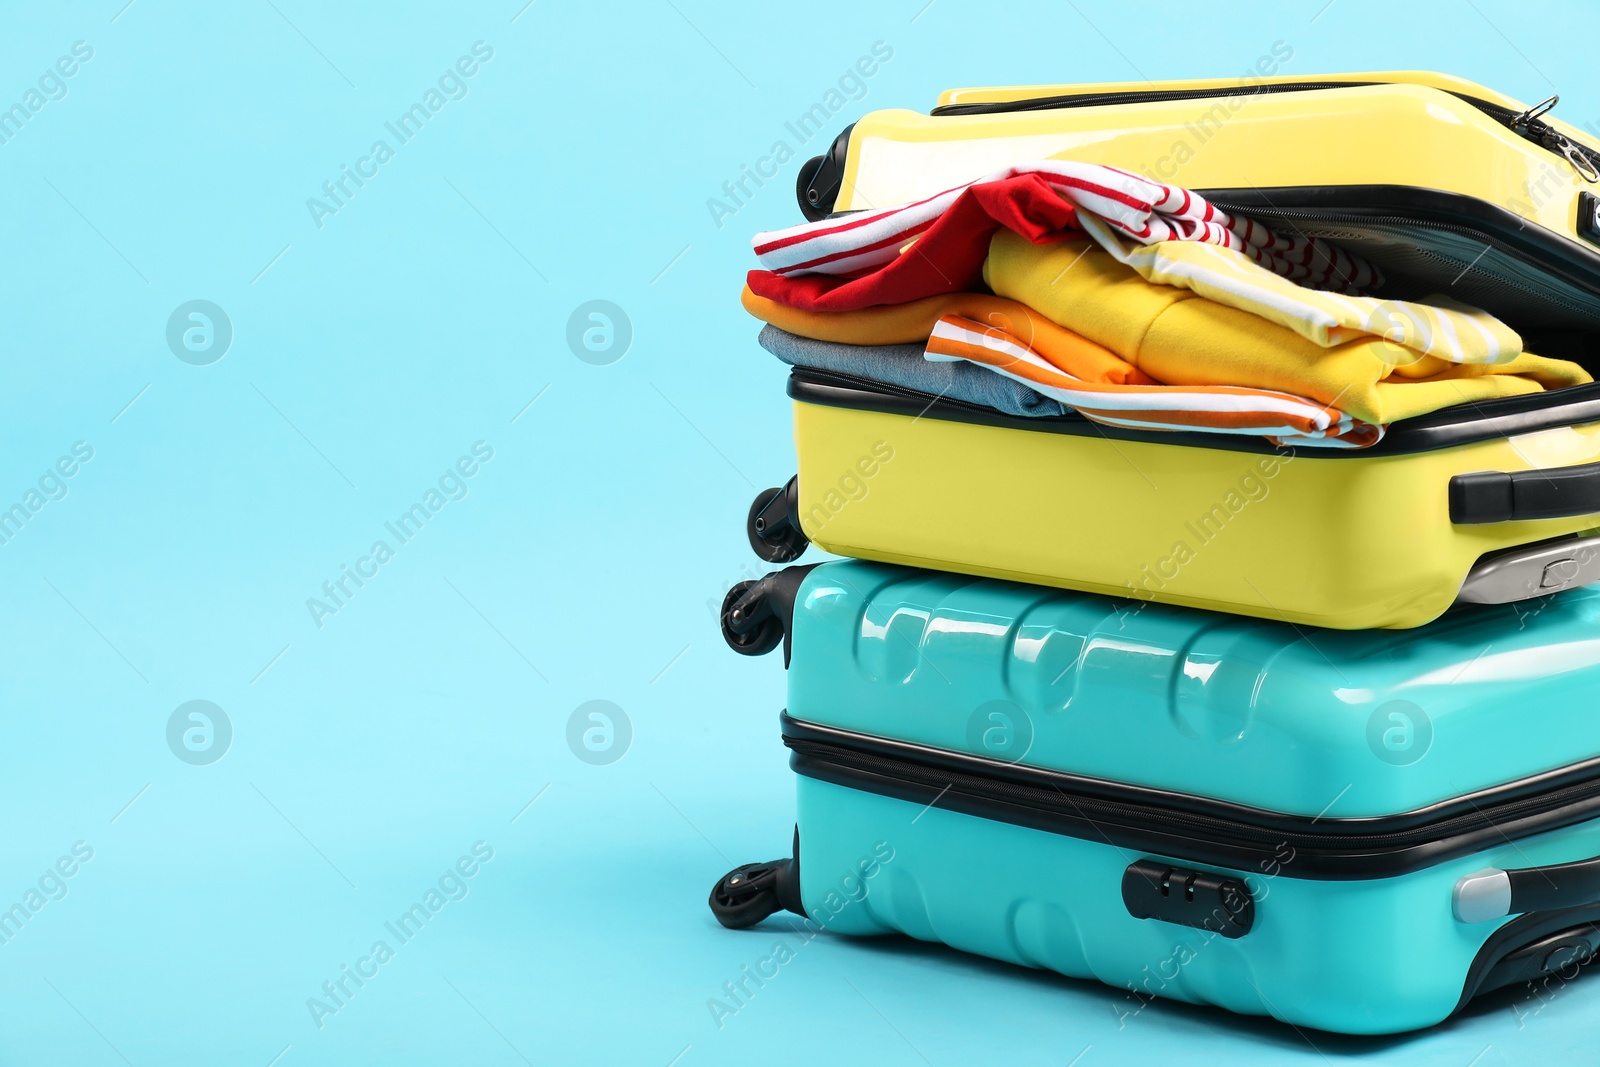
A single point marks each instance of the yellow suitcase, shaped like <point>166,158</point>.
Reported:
<point>1493,503</point>
<point>1450,187</point>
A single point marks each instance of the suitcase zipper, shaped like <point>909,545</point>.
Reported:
<point>1528,124</point>
<point>1463,424</point>
<point>1133,96</point>
<point>1227,834</point>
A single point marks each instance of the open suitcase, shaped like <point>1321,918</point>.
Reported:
<point>1424,174</point>
<point>1489,201</point>
<point>1352,831</point>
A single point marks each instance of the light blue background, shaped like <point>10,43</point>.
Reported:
<point>584,564</point>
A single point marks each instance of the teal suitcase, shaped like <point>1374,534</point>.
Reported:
<point>1357,831</point>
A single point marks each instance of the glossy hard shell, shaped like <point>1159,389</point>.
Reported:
<point>1273,716</point>
<point>1361,957</point>
<point>1258,713</point>
<point>1326,137</point>
<point>1350,542</point>
<point>1010,93</point>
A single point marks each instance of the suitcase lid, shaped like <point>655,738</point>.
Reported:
<point>997,99</point>
<point>1294,720</point>
<point>1496,204</point>
<point>1008,94</point>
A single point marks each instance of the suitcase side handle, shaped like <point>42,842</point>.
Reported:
<point>1502,496</point>
<point>1494,893</point>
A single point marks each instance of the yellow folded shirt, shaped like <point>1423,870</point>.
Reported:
<point>1178,337</point>
<point>1441,327</point>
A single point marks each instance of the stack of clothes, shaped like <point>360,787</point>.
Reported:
<point>1056,286</point>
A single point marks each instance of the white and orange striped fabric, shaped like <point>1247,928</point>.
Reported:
<point>1281,417</point>
<point>1147,211</point>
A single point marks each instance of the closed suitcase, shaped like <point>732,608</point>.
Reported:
<point>1488,502</point>
<point>1491,502</point>
<point>1351,831</point>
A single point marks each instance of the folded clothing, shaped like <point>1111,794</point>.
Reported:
<point>1448,330</point>
<point>1044,362</point>
<point>970,362</point>
<point>1178,337</point>
<point>903,365</point>
<point>863,259</point>
<point>1443,327</point>
<point>1170,315</point>
<point>1281,417</point>
<point>913,323</point>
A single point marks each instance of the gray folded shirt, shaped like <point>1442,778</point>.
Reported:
<point>903,365</point>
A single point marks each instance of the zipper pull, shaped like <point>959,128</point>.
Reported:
<point>1580,162</point>
<point>1523,123</point>
<point>1528,125</point>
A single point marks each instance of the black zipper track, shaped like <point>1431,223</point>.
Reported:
<point>1450,427</point>
<point>1192,828</point>
<point>1538,131</point>
<point>1131,96</point>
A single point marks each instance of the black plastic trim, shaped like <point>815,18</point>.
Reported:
<point>1459,425</point>
<point>1514,496</point>
<point>1192,828</point>
<point>1202,900</point>
<point>1495,966</point>
<point>1558,885</point>
<point>1408,204</point>
<point>1589,217</point>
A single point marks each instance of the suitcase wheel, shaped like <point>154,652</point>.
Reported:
<point>773,526</point>
<point>816,187</point>
<point>746,895</point>
<point>812,209</point>
<point>749,628</point>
